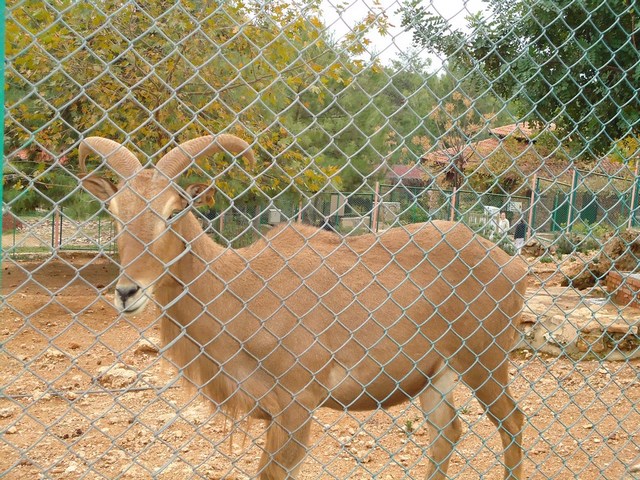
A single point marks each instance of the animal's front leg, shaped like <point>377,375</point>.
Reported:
<point>286,443</point>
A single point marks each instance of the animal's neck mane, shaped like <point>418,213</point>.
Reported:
<point>204,272</point>
<point>200,243</point>
<point>203,254</point>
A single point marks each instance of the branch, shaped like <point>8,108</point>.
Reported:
<point>264,77</point>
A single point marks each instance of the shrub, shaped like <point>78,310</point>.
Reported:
<point>506,245</point>
<point>567,243</point>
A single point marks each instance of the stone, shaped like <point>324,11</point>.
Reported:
<point>54,354</point>
<point>146,347</point>
<point>533,248</point>
<point>6,412</point>
<point>620,251</point>
<point>116,376</point>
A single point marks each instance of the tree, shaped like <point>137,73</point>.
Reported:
<point>150,74</point>
<point>568,62</point>
<point>457,125</point>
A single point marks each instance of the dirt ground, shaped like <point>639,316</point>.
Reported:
<point>84,394</point>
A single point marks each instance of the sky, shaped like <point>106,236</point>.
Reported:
<point>398,42</point>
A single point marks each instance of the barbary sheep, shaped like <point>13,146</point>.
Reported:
<point>305,318</point>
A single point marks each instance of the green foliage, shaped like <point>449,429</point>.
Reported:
<point>150,74</point>
<point>598,231</point>
<point>572,63</point>
<point>507,245</point>
<point>583,237</point>
<point>416,214</point>
<point>80,206</point>
<point>410,426</point>
<point>163,72</point>
<point>499,173</point>
<point>566,243</point>
<point>504,243</point>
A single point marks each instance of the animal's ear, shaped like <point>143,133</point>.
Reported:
<point>100,187</point>
<point>200,194</point>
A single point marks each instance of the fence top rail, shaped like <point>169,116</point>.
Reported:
<point>603,174</point>
<point>553,181</point>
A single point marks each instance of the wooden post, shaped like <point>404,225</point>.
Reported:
<point>376,206</point>
<point>300,211</point>
<point>453,204</point>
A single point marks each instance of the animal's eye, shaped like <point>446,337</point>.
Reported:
<point>175,213</point>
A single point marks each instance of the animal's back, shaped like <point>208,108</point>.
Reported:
<point>427,259</point>
<point>381,312</point>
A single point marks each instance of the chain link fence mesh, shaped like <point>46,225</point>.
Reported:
<point>331,352</point>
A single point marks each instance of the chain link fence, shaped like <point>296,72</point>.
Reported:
<point>331,290</point>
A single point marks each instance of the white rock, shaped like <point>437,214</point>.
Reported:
<point>73,467</point>
<point>116,376</point>
<point>6,412</point>
<point>54,354</point>
<point>146,347</point>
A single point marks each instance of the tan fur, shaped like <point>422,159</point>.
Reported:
<point>305,318</point>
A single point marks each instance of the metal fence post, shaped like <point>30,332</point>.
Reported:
<point>572,200</point>
<point>532,205</point>
<point>2,159</point>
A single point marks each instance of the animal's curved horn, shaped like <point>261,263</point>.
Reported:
<point>119,158</point>
<point>176,161</point>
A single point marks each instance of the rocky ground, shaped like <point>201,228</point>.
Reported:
<point>87,395</point>
<point>571,310</point>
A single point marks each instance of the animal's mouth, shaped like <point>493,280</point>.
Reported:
<point>136,306</point>
<point>131,300</point>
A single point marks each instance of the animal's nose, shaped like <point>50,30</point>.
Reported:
<point>126,292</point>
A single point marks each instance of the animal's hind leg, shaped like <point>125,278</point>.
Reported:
<point>442,419</point>
<point>493,393</point>
<point>286,443</point>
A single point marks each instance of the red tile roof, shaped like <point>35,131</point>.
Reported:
<point>508,139</point>
<point>400,173</point>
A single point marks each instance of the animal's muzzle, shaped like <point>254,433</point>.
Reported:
<point>126,293</point>
<point>130,298</point>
